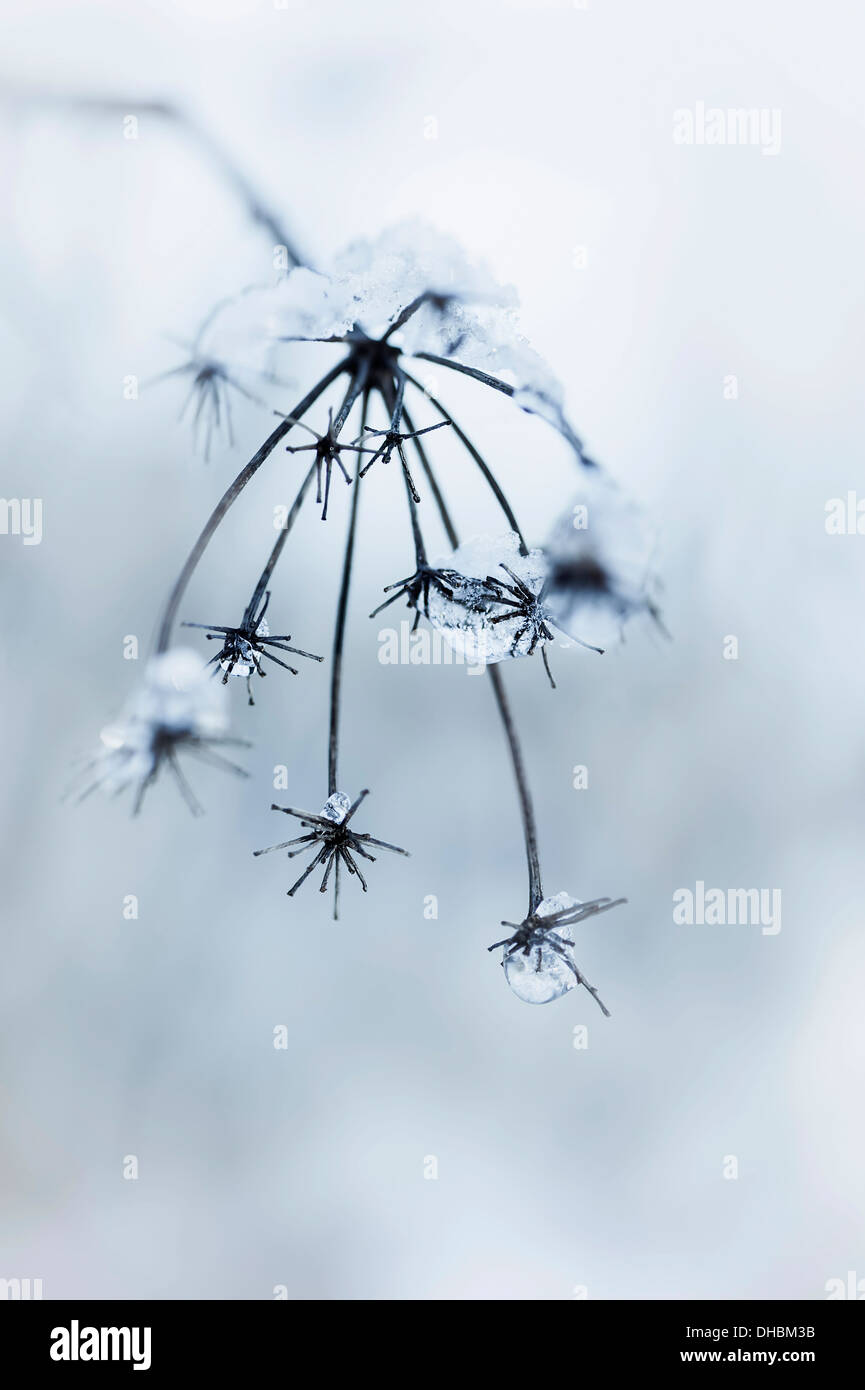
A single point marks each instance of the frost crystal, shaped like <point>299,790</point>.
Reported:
<point>545,973</point>
<point>474,621</point>
<point>599,556</point>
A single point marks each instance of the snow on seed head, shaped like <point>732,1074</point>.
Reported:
<point>466,314</point>
<point>178,694</point>
<point>484,573</point>
<point>176,705</point>
<point>385,274</point>
<point>599,555</point>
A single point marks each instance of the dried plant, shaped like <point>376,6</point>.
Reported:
<point>409,295</point>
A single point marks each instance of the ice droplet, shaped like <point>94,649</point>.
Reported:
<point>466,620</point>
<point>240,662</point>
<point>336,808</point>
<point>544,974</point>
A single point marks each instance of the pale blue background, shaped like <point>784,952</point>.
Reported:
<point>557,1168</point>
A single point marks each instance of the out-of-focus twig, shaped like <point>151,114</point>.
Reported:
<point>18,98</point>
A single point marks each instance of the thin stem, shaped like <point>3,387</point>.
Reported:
<point>482,465</point>
<point>560,423</point>
<point>339,629</point>
<point>393,399</point>
<point>434,487</point>
<point>252,606</point>
<point>355,386</point>
<point>527,810</point>
<point>230,497</point>
<point>222,161</point>
<point>530,833</point>
<point>467,371</point>
<point>410,309</point>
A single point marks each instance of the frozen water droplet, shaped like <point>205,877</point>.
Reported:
<point>545,973</point>
<point>466,620</point>
<point>542,975</point>
<point>239,667</point>
<point>336,808</point>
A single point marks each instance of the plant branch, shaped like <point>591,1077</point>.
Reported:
<point>526,808</point>
<point>482,465</point>
<point>339,629</point>
<point>225,166</point>
<point>475,372</point>
<point>530,833</point>
<point>560,423</point>
<point>393,399</point>
<point>434,487</point>
<point>231,495</point>
<point>252,607</point>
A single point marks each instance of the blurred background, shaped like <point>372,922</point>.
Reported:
<point>650,274</point>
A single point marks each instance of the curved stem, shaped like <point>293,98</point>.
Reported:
<point>530,831</point>
<point>256,208</point>
<point>434,487</point>
<point>231,495</point>
<point>481,463</point>
<point>393,399</point>
<point>264,580</point>
<point>339,629</point>
<point>474,372</point>
<point>560,423</point>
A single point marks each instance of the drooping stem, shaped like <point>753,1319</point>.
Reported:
<point>474,372</point>
<point>481,463</point>
<point>231,495</point>
<point>560,423</point>
<point>264,580</point>
<point>530,831</point>
<point>339,628</point>
<point>393,399</point>
<point>221,160</point>
<point>434,487</point>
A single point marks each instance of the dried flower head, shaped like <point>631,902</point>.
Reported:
<point>334,842</point>
<point>177,709</point>
<point>243,647</point>
<point>408,293</point>
<point>599,556</point>
<point>495,607</point>
<point>538,959</point>
<point>231,353</point>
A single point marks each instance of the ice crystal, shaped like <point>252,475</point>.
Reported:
<point>538,958</point>
<point>336,808</point>
<point>544,973</point>
<point>333,842</point>
<point>472,618</point>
